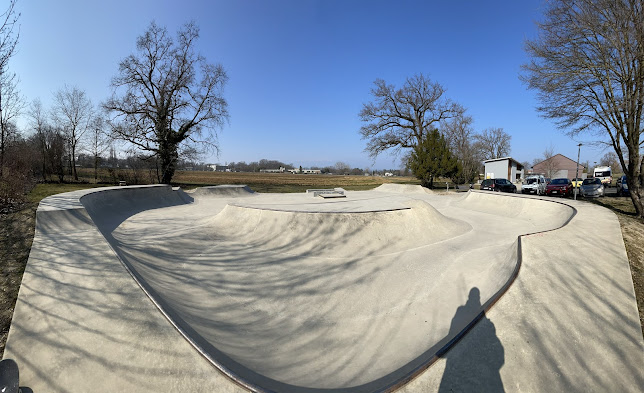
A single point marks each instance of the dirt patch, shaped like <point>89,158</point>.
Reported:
<point>633,233</point>
<point>16,236</point>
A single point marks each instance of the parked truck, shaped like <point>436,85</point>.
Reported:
<point>604,173</point>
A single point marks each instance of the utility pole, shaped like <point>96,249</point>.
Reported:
<point>576,190</point>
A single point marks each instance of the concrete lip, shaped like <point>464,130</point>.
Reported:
<point>291,293</point>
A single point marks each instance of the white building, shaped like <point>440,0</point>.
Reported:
<point>504,168</point>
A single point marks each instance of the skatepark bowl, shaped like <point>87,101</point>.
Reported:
<point>295,293</point>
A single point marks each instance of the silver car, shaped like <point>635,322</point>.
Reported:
<point>592,188</point>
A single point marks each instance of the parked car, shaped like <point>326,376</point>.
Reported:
<point>622,187</point>
<point>561,186</point>
<point>576,182</point>
<point>592,188</point>
<point>534,184</point>
<point>500,185</point>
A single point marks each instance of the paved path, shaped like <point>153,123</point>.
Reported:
<point>293,316</point>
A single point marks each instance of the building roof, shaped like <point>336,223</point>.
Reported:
<point>519,165</point>
<point>573,161</point>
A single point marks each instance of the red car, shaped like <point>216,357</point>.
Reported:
<point>559,187</point>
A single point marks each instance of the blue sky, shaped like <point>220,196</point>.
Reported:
<point>300,70</point>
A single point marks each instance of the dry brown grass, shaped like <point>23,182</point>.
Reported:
<point>261,182</point>
<point>284,182</point>
<point>16,235</point>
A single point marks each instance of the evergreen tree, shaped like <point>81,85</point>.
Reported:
<point>431,158</point>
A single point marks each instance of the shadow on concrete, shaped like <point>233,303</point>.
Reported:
<point>478,369</point>
<point>256,281</point>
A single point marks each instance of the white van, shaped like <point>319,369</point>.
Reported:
<point>534,184</point>
<point>604,173</point>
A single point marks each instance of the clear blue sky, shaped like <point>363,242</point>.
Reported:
<point>300,70</point>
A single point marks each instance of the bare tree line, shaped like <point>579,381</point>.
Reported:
<point>587,66</point>
<point>166,105</point>
<point>398,120</point>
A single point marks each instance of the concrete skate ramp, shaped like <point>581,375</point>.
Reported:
<point>224,190</point>
<point>337,234</point>
<point>544,215</point>
<point>111,207</point>
<point>402,188</point>
<point>297,301</point>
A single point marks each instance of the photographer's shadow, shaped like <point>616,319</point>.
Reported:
<point>474,363</point>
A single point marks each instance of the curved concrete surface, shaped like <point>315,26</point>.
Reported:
<point>287,293</point>
<point>291,294</point>
<point>402,189</point>
<point>224,190</point>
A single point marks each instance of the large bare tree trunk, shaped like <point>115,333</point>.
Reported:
<point>2,140</point>
<point>635,187</point>
<point>73,163</point>
<point>168,156</point>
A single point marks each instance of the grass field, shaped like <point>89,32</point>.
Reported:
<point>282,182</point>
<point>17,228</point>
<point>260,182</point>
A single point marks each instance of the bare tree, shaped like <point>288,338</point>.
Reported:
<point>588,69</point>
<point>38,123</point>
<point>73,112</point>
<point>459,135</point>
<point>51,146</point>
<point>526,166</point>
<point>342,168</point>
<point>399,119</point>
<point>11,103</point>
<point>167,94</point>
<point>56,149</point>
<point>99,141</point>
<point>10,100</point>
<point>550,166</point>
<point>493,143</point>
<point>8,35</point>
<point>610,159</point>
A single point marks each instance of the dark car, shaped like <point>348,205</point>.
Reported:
<point>559,187</point>
<point>501,185</point>
<point>622,187</point>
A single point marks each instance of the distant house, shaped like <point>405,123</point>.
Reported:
<point>306,171</point>
<point>218,168</point>
<point>503,168</point>
<point>558,166</point>
<point>280,170</point>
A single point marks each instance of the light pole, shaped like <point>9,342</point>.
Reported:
<point>576,190</point>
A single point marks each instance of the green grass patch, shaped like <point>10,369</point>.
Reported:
<point>43,190</point>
